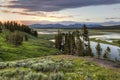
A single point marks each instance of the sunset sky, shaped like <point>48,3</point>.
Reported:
<point>60,10</point>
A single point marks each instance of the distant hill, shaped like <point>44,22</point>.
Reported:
<point>61,26</point>
<point>107,27</point>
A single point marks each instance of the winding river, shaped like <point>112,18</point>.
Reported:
<point>114,54</point>
<point>115,51</point>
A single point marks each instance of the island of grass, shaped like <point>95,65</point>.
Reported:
<point>115,42</point>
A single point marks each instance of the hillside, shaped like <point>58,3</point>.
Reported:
<point>56,68</point>
<point>108,27</point>
<point>28,49</point>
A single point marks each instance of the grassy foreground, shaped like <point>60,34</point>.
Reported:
<point>56,68</point>
<point>34,47</point>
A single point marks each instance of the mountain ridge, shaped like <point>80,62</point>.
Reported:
<point>57,26</point>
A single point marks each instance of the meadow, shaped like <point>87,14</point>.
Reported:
<point>91,31</point>
<point>62,67</point>
<point>34,47</point>
<point>37,59</point>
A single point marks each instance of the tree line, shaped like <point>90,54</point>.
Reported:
<point>74,43</point>
<point>15,36</point>
<point>13,26</point>
<point>77,43</point>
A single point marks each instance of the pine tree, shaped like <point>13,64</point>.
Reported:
<point>58,40</point>
<point>118,42</point>
<point>13,26</point>
<point>73,43</point>
<point>15,38</point>
<point>105,54</point>
<point>98,50</point>
<point>66,45</point>
<point>89,51</point>
<point>0,27</point>
<point>26,38</point>
<point>35,34</point>
<point>107,51</point>
<point>70,43</point>
<point>85,33</point>
<point>79,44</point>
<point>86,41</point>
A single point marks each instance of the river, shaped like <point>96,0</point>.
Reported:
<point>115,51</point>
<point>114,54</point>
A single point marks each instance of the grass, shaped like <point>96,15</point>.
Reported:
<point>103,31</point>
<point>26,62</point>
<point>56,68</point>
<point>105,42</point>
<point>91,31</point>
<point>35,47</point>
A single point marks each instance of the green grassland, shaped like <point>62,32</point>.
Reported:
<point>35,59</point>
<point>91,31</point>
<point>35,47</point>
<point>56,68</point>
<point>114,41</point>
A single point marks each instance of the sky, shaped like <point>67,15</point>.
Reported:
<point>45,11</point>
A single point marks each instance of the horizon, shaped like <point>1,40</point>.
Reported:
<point>45,11</point>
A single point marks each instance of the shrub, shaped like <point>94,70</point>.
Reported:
<point>15,38</point>
<point>43,69</point>
<point>57,76</point>
<point>35,76</point>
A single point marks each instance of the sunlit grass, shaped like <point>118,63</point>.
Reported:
<point>35,47</point>
<point>56,68</point>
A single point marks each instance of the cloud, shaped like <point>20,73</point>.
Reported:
<point>56,5</point>
<point>87,19</point>
<point>116,8</point>
<point>112,18</point>
<point>25,13</point>
<point>41,14</point>
<point>61,17</point>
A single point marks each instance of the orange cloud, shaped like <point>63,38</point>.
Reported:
<point>25,13</point>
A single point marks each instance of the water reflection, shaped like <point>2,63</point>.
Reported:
<point>114,54</point>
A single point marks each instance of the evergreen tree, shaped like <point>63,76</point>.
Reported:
<point>105,54</point>
<point>98,50</point>
<point>58,40</point>
<point>85,33</point>
<point>35,34</point>
<point>86,41</point>
<point>73,43</point>
<point>66,45</point>
<point>107,51</point>
<point>79,44</point>
<point>13,26</point>
<point>15,38</point>
<point>118,42</point>
<point>0,27</point>
<point>89,51</point>
<point>26,38</point>
<point>70,43</point>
